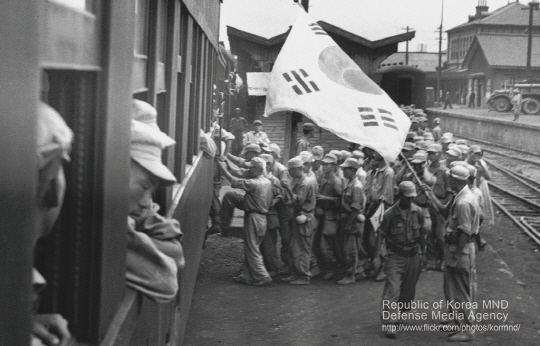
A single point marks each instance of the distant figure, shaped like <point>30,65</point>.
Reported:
<point>472,98</point>
<point>516,102</point>
<point>236,126</point>
<point>303,143</point>
<point>256,136</point>
<point>437,131</point>
<point>447,100</point>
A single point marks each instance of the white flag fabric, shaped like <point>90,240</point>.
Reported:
<point>313,76</point>
<point>377,218</point>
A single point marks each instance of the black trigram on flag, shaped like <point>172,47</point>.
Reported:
<point>301,82</point>
<point>316,28</point>
<point>373,117</point>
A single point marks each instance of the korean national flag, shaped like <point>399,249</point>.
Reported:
<point>313,76</point>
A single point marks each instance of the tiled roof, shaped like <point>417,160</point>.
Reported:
<point>512,14</point>
<point>506,50</point>
<point>426,62</point>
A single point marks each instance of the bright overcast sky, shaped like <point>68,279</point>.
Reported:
<point>371,19</point>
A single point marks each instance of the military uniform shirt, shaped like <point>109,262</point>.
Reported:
<point>380,185</point>
<point>401,227</point>
<point>255,137</point>
<point>465,212</point>
<point>258,196</point>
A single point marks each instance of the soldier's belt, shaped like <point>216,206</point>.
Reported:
<point>403,250</point>
<point>452,238</point>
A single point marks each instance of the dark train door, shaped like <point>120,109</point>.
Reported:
<point>405,92</point>
<point>404,84</point>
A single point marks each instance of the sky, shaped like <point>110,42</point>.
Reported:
<point>371,19</point>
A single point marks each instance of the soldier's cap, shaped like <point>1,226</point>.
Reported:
<point>336,153</point>
<point>419,157</point>
<point>449,135</point>
<point>257,122</point>
<point>411,134</point>
<point>463,148</point>
<point>345,154</point>
<point>52,130</point>
<point>446,139</point>
<point>435,148</point>
<point>422,119</point>
<point>251,147</point>
<point>516,90</point>
<point>472,170</point>
<point>407,188</point>
<point>147,144</point>
<point>265,147</point>
<point>461,141</point>
<point>475,149</point>
<point>415,120</point>
<point>350,163</point>
<point>267,158</point>
<point>421,145</point>
<point>295,162</point>
<point>360,162</point>
<point>408,146</point>
<point>453,152</point>
<point>257,162</point>
<point>437,120</point>
<point>318,152</point>
<point>330,158</point>
<point>418,138</point>
<point>306,156</point>
<point>459,172</point>
<point>144,112</point>
<point>309,126</point>
<point>358,154</point>
<point>428,135</point>
<point>274,148</point>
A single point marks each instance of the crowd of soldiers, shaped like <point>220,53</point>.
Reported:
<point>349,215</point>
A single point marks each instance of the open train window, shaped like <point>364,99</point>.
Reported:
<point>140,61</point>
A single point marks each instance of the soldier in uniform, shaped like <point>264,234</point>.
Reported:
<point>269,243</point>
<point>402,229</point>
<point>304,144</point>
<point>328,201</point>
<point>236,126</point>
<point>256,136</point>
<point>460,253</point>
<point>256,202</point>
<point>379,189</point>
<point>316,165</point>
<point>304,201</point>
<point>441,190</point>
<point>422,200</point>
<point>437,131</point>
<point>351,224</point>
<point>283,206</point>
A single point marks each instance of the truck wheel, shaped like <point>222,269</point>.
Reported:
<point>501,104</point>
<point>531,106</point>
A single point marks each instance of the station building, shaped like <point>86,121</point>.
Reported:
<point>489,52</point>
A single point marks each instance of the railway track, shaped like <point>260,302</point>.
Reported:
<point>515,185</point>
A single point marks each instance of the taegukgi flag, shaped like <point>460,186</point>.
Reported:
<point>313,76</point>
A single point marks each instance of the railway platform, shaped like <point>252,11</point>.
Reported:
<point>482,113</point>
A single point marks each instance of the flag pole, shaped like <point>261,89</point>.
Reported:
<point>414,174</point>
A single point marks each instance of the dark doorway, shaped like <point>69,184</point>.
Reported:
<point>405,91</point>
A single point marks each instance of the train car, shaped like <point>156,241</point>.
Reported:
<point>88,59</point>
<point>404,84</point>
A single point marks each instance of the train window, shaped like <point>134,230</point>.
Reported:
<point>162,32</point>
<point>141,27</point>
<point>140,61</point>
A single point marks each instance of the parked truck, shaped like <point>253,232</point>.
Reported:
<point>530,92</point>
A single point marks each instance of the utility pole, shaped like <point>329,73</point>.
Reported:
<point>407,46</point>
<point>439,70</point>
<point>533,6</point>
